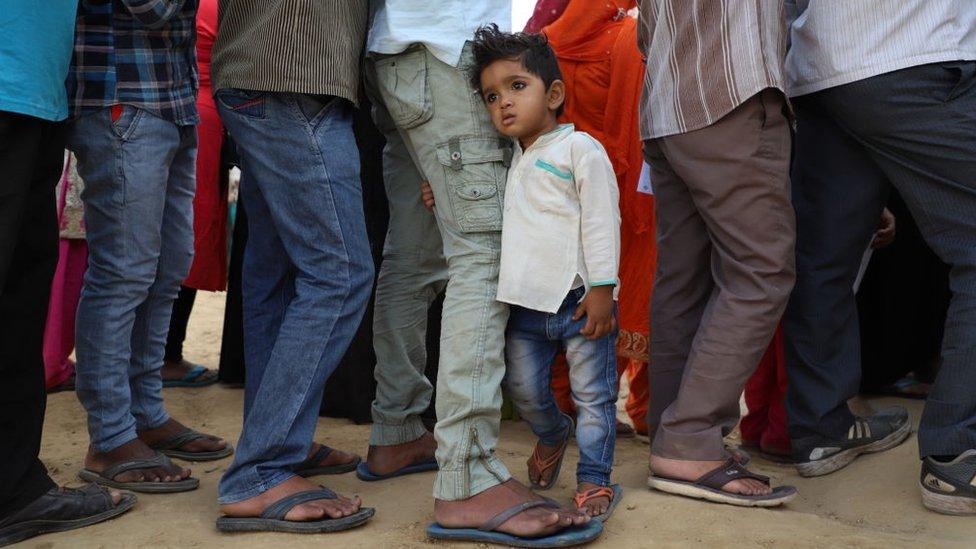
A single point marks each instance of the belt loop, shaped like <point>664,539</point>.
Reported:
<point>454,146</point>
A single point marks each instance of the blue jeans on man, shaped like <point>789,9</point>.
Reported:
<point>307,275</point>
<point>532,340</point>
<point>139,174</point>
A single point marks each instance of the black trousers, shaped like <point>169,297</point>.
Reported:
<point>31,159</point>
<point>178,322</point>
<point>914,128</point>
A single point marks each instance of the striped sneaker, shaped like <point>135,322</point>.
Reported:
<point>950,488</point>
<point>882,431</point>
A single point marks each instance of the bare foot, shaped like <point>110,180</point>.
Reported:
<point>693,470</point>
<point>593,506</point>
<point>482,507</point>
<point>383,460</point>
<point>335,457</point>
<point>134,449</point>
<point>542,463</point>
<point>312,510</point>
<point>171,428</point>
<point>175,371</point>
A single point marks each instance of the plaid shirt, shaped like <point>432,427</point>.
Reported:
<point>136,52</point>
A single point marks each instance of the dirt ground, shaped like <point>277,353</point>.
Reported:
<point>872,503</point>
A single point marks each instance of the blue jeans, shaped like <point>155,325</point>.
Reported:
<point>532,341</point>
<point>139,174</point>
<point>307,276</point>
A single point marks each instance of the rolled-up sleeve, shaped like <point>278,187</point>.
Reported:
<point>599,217</point>
<point>153,13</point>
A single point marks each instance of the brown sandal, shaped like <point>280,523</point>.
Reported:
<point>553,462</point>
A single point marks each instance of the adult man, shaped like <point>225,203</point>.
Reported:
<point>438,129</point>
<point>884,91</point>
<point>34,62</point>
<point>132,89</point>
<point>287,75</point>
<point>718,141</point>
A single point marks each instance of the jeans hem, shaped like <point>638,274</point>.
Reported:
<point>275,480</point>
<point>448,484</point>
<point>599,481</point>
<point>390,435</point>
<point>153,425</point>
<point>111,443</point>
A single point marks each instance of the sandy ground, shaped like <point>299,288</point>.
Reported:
<point>873,503</point>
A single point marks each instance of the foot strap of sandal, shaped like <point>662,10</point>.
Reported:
<point>581,498</point>
<point>178,440</point>
<point>726,473</point>
<point>159,460</point>
<point>499,519</point>
<point>280,508</point>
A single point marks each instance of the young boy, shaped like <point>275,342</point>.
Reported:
<point>559,259</point>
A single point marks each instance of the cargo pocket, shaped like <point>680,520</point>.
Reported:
<point>475,171</point>
<point>402,83</point>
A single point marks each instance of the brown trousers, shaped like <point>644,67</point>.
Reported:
<point>725,269</point>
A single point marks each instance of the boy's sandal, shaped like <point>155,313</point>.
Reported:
<point>273,518</point>
<point>709,487</point>
<point>107,477</point>
<point>310,467</point>
<point>171,447</point>
<point>614,493</point>
<point>487,532</point>
<point>552,463</point>
<point>61,509</point>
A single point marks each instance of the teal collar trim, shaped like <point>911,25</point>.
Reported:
<point>568,176</point>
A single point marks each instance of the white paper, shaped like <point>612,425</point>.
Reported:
<point>644,182</point>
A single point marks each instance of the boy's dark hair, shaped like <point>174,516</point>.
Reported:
<point>532,50</point>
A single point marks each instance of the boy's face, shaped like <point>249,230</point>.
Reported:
<point>519,103</point>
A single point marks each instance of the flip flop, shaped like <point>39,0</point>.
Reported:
<point>554,462</point>
<point>60,510</point>
<point>709,487</point>
<point>273,518</point>
<point>193,378</point>
<point>171,445</point>
<point>105,478</point>
<point>614,492</point>
<point>363,472</point>
<point>310,467</point>
<point>574,535</point>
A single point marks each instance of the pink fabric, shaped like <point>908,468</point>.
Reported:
<point>59,333</point>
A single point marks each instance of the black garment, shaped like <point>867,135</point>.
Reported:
<point>231,367</point>
<point>182,308</point>
<point>902,305</point>
<point>917,129</point>
<point>31,160</point>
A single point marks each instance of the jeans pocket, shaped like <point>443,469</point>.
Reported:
<point>475,173</point>
<point>964,75</point>
<point>126,123</point>
<point>245,102</point>
<point>403,86</point>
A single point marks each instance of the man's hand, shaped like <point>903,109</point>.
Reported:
<point>427,195</point>
<point>597,306</point>
<point>886,230</point>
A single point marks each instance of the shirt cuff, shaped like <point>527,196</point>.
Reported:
<point>610,282</point>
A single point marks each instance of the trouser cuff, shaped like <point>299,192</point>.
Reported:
<point>475,477</point>
<point>389,435</point>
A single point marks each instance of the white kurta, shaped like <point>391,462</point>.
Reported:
<point>561,222</point>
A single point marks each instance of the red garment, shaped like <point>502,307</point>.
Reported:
<point>545,12</point>
<point>209,269</point>
<point>765,424</point>
<point>596,44</point>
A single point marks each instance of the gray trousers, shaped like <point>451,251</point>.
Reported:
<point>917,129</point>
<point>725,232</point>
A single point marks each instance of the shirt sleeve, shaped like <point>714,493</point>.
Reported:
<point>599,216</point>
<point>153,13</point>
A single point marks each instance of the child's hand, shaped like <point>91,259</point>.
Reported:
<point>886,230</point>
<point>427,195</point>
<point>597,306</point>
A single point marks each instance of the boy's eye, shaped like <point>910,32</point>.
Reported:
<point>491,97</point>
<point>518,85</point>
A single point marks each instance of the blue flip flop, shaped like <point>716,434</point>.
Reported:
<point>363,472</point>
<point>574,535</point>
<point>192,378</point>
